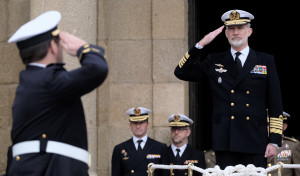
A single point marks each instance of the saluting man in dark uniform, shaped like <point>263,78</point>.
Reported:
<point>133,156</point>
<point>49,132</point>
<point>244,83</point>
<point>179,152</point>
<point>289,153</point>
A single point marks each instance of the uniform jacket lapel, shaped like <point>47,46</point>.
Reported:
<point>170,154</point>
<point>132,152</point>
<point>147,148</point>
<point>248,66</point>
<point>186,154</point>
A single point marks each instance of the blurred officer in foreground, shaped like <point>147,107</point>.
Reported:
<point>49,135</point>
<point>179,152</point>
<point>244,83</point>
<point>289,152</point>
<point>133,156</point>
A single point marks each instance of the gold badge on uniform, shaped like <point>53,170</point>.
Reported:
<point>137,111</point>
<point>176,118</point>
<point>234,15</point>
<point>220,69</point>
<point>124,153</point>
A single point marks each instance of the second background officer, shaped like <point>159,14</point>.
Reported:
<point>179,152</point>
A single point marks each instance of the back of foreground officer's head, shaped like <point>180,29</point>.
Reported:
<point>34,38</point>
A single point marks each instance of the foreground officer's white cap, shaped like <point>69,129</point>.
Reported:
<point>236,17</point>
<point>138,114</point>
<point>179,120</point>
<point>42,28</point>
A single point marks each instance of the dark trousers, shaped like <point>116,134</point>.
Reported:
<point>224,159</point>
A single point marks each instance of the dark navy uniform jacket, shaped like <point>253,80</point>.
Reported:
<point>126,160</point>
<point>48,101</point>
<point>189,156</point>
<point>240,100</point>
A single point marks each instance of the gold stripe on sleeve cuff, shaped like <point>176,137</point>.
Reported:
<point>277,131</point>
<point>276,125</point>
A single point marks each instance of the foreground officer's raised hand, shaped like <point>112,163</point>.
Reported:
<point>71,43</point>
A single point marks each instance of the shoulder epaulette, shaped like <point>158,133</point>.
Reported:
<point>290,139</point>
<point>89,49</point>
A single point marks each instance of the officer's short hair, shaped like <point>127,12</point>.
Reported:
<point>36,52</point>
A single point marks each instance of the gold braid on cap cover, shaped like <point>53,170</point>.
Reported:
<point>234,18</point>
<point>138,118</point>
<point>276,125</point>
<point>177,122</point>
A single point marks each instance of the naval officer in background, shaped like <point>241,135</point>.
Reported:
<point>49,135</point>
<point>133,156</point>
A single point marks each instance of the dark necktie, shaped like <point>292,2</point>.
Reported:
<point>177,154</point>
<point>139,145</point>
<point>237,61</point>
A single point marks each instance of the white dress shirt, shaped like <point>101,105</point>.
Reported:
<point>135,139</point>
<point>243,56</point>
<point>182,148</point>
<point>37,64</point>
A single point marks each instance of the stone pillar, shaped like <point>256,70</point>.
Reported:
<point>128,34</point>
<point>79,18</point>
<point>170,41</point>
<point>13,13</point>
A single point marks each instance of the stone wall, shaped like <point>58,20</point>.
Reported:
<point>143,39</point>
<point>10,67</point>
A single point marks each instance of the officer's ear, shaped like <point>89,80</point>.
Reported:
<point>188,131</point>
<point>53,47</point>
<point>250,30</point>
<point>285,125</point>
